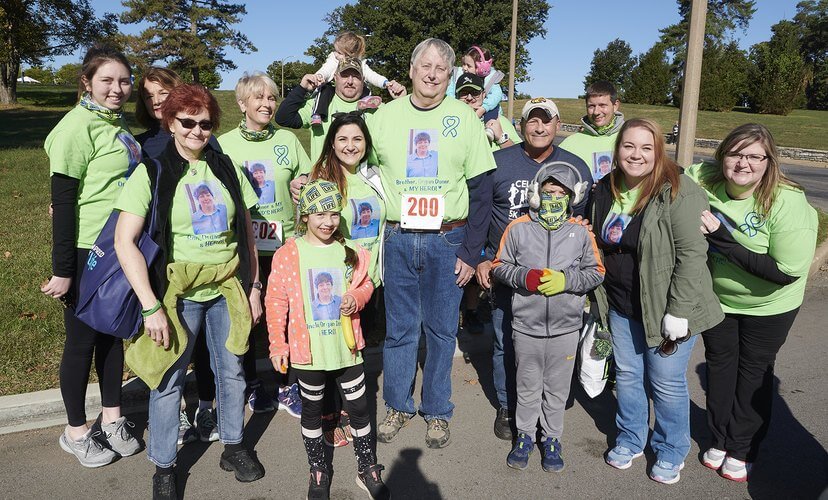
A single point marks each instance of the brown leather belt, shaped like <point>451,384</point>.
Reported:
<point>444,228</point>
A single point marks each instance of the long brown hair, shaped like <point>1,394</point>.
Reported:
<point>328,167</point>
<point>742,137</point>
<point>165,77</point>
<point>665,170</point>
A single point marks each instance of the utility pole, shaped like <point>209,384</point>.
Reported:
<point>692,81</point>
<point>512,49</point>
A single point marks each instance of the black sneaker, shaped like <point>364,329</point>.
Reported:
<point>503,424</point>
<point>371,481</point>
<point>319,485</point>
<point>243,464</point>
<point>163,487</point>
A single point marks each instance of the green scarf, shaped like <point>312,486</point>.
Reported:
<point>604,130</point>
<point>255,135</point>
<point>105,113</point>
<point>553,211</point>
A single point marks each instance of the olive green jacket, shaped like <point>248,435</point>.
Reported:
<point>672,259</point>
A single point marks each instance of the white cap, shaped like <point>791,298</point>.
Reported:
<point>540,103</point>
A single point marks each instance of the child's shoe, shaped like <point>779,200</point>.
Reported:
<point>258,401</point>
<point>186,432</point>
<point>518,458</point>
<point>319,485</point>
<point>713,458</point>
<point>666,473</point>
<point>369,102</point>
<point>371,481</point>
<point>551,460</point>
<point>289,400</point>
<point>316,120</point>
<point>335,437</point>
<point>735,469</point>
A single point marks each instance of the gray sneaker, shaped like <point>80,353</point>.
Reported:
<point>437,433</point>
<point>206,425</point>
<point>88,450</point>
<point>186,431</point>
<point>118,438</point>
<point>394,421</point>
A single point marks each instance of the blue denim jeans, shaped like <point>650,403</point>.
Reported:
<point>165,401</point>
<point>503,354</point>
<point>640,371</point>
<point>420,296</point>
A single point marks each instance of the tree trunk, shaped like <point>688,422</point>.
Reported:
<point>8,82</point>
<point>194,31</point>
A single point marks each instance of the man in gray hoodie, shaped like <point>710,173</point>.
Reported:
<point>551,262</point>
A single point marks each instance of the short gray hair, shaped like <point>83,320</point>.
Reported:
<point>444,49</point>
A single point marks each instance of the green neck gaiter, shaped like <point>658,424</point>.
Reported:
<point>105,113</point>
<point>254,135</point>
<point>606,128</point>
<point>553,211</point>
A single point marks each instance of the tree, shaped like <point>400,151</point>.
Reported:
<point>293,72</point>
<point>190,36</point>
<point>35,30</point>
<point>724,75</point>
<point>68,74</point>
<point>650,79</point>
<point>394,28</point>
<point>779,73</point>
<point>41,74</point>
<point>811,20</point>
<point>613,64</point>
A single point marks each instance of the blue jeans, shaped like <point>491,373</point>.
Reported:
<point>165,401</point>
<point>503,354</point>
<point>641,370</point>
<point>420,296</point>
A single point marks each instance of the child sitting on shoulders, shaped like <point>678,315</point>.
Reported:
<point>551,262</point>
<point>479,61</point>
<point>349,44</point>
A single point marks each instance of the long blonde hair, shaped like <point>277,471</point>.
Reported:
<point>743,136</point>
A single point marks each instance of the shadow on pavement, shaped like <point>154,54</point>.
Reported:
<point>406,480</point>
<point>601,409</point>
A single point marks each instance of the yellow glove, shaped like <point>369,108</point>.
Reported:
<point>552,282</point>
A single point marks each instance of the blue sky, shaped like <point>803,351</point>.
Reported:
<point>281,29</point>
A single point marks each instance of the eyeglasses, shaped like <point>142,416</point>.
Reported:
<point>189,123</point>
<point>751,159</point>
<point>669,347</point>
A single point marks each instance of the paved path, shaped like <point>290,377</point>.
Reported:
<point>793,461</point>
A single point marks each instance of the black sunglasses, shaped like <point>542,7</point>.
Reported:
<point>189,123</point>
<point>468,92</point>
<point>669,347</point>
<point>357,113</point>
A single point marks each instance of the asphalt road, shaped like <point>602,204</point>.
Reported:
<point>793,461</point>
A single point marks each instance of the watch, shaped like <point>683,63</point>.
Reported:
<point>257,285</point>
<point>503,139</point>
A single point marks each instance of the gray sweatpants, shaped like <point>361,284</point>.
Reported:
<point>544,373</point>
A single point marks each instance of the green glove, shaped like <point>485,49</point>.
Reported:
<point>552,282</point>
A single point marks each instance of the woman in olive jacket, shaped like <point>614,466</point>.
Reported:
<point>656,296</point>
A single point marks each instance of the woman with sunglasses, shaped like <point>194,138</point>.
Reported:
<point>203,282</point>
<point>762,234</point>
<point>656,296</point>
<point>91,152</point>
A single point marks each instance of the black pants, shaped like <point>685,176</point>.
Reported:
<point>740,353</point>
<point>82,343</point>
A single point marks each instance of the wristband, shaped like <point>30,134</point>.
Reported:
<point>149,312</point>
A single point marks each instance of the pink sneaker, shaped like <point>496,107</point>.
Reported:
<point>316,120</point>
<point>713,458</point>
<point>736,470</point>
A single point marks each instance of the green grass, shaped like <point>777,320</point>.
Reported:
<point>31,325</point>
<point>822,228</point>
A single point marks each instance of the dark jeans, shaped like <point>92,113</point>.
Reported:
<point>740,353</point>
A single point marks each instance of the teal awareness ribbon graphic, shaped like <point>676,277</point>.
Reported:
<point>753,221</point>
<point>450,123</point>
<point>281,154</point>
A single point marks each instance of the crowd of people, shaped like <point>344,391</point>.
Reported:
<point>400,207</point>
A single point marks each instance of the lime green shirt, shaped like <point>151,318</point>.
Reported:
<point>277,161</point>
<point>457,150</point>
<point>318,132</point>
<point>787,234</point>
<point>595,150</point>
<point>323,276</point>
<point>98,153</point>
<point>200,221</point>
<point>361,225</point>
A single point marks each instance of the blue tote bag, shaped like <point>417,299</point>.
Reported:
<point>106,301</point>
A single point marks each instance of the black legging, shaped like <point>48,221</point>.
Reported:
<point>82,342</point>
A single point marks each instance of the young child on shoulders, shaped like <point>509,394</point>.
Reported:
<point>479,61</point>
<point>551,262</point>
<point>318,284</point>
<point>348,44</point>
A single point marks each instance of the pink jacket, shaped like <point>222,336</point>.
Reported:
<point>285,308</point>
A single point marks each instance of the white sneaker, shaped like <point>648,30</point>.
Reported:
<point>736,470</point>
<point>713,458</point>
<point>118,436</point>
<point>88,450</point>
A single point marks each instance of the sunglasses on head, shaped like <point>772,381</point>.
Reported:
<point>189,123</point>
<point>357,113</point>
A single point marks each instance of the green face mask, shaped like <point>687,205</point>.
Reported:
<point>553,211</point>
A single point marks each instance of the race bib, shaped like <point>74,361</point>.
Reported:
<point>422,211</point>
<point>268,234</point>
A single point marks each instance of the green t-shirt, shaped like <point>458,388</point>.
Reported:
<point>454,149</point>
<point>595,150</point>
<point>318,133</point>
<point>788,235</point>
<point>270,165</point>
<point>98,153</point>
<point>361,224</point>
<point>508,129</point>
<point>201,218</point>
<point>323,273</point>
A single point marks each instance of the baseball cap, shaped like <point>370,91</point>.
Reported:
<point>349,63</point>
<point>469,80</point>
<point>540,103</point>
